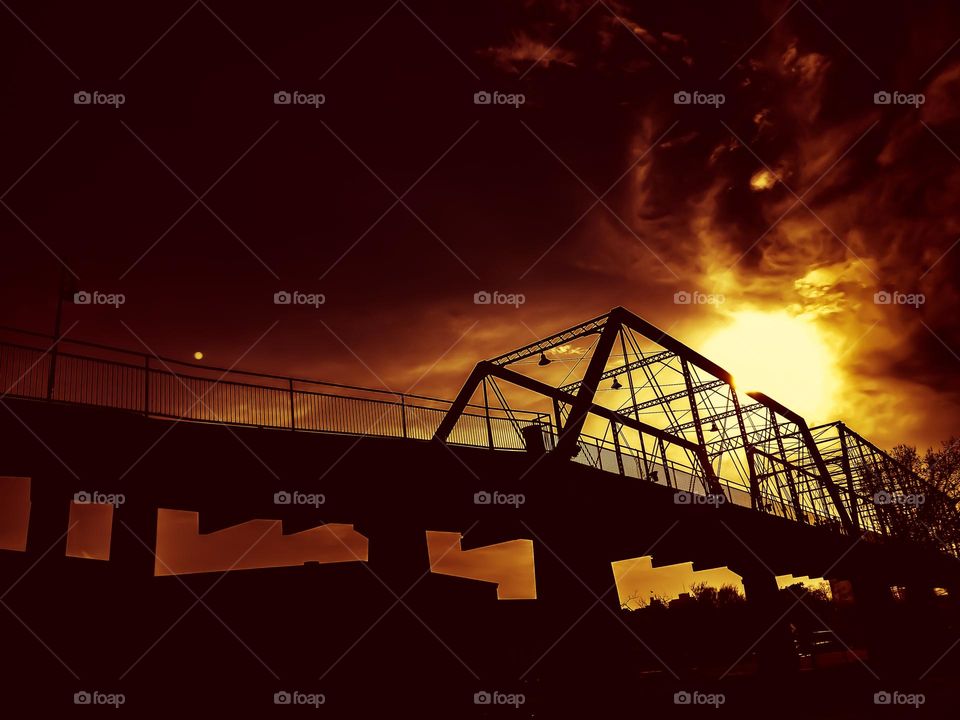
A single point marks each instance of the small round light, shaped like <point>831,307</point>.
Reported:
<point>198,355</point>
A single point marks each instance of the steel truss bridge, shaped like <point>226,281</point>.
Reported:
<point>644,405</point>
<point>669,415</point>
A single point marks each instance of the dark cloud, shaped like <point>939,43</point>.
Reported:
<point>494,205</point>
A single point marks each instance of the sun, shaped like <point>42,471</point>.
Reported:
<point>781,355</point>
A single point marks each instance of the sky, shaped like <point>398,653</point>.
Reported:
<point>398,198</point>
<point>757,223</point>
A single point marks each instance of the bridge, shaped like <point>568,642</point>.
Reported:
<point>705,437</point>
<point>743,448</point>
<point>623,441</point>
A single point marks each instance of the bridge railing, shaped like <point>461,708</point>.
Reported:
<point>32,366</point>
<point>604,454</point>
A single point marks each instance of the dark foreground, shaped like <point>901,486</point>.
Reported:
<point>387,638</point>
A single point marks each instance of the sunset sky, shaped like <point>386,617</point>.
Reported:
<point>778,214</point>
<point>796,200</point>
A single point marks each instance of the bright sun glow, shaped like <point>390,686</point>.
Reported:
<point>780,355</point>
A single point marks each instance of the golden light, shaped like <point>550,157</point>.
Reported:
<point>198,355</point>
<point>762,180</point>
<point>781,355</point>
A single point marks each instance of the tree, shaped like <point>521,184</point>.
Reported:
<point>909,458</point>
<point>940,467</point>
<point>705,595</point>
<point>943,467</point>
<point>729,595</point>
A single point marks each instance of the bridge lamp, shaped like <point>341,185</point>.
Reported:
<point>544,360</point>
<point>616,384</point>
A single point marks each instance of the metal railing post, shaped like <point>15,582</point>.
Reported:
<point>293,417</point>
<point>403,414</point>
<point>146,384</point>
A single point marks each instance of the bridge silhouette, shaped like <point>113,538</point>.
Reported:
<point>651,450</point>
<point>827,475</point>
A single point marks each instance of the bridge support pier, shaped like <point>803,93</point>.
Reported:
<point>581,632</point>
<point>776,652</point>
<point>872,597</point>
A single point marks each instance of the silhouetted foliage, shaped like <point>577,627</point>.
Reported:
<point>939,466</point>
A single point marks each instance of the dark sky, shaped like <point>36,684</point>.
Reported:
<point>304,198</point>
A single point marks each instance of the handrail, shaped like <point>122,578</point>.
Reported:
<point>152,387</point>
<point>208,368</point>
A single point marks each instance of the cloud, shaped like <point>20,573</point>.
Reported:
<point>517,56</point>
<point>567,32</point>
<point>711,208</point>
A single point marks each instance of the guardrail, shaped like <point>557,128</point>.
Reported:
<point>616,457</point>
<point>84,373</point>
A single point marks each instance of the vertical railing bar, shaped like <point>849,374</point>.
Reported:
<point>293,414</point>
<point>146,384</point>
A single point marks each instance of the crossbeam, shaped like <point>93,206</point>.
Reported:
<point>751,407</point>
<point>561,338</point>
<point>662,356</point>
<point>679,395</point>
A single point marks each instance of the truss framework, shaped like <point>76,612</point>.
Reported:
<point>684,411</point>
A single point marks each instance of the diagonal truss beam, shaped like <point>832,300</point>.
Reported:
<point>826,480</point>
<point>586,393</point>
<point>537,386</point>
<point>486,369</point>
